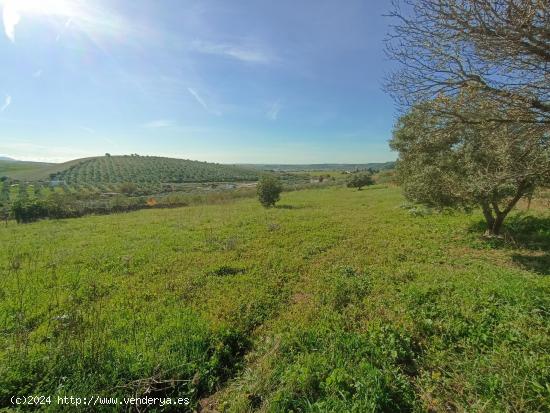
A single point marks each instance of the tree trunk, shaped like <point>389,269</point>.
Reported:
<point>488,214</point>
<point>497,224</point>
<point>494,216</point>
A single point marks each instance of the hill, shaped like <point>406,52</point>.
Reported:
<point>338,300</point>
<point>155,170</point>
<point>136,169</point>
<point>19,169</point>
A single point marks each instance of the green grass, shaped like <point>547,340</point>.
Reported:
<point>38,171</point>
<point>337,300</point>
<point>20,169</point>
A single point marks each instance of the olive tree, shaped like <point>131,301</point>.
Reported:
<point>444,162</point>
<point>269,190</point>
<point>500,46</point>
<point>359,180</point>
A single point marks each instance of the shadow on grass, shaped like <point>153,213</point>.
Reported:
<point>536,263</point>
<point>525,232</point>
<point>520,230</point>
<point>376,186</point>
<point>285,206</point>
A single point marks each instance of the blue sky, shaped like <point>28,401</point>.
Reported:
<point>225,81</point>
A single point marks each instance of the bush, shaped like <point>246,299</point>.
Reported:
<point>269,190</point>
<point>25,211</point>
<point>360,180</point>
<point>127,188</point>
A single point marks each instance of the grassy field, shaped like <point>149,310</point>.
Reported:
<point>21,169</point>
<point>337,300</point>
<point>35,171</point>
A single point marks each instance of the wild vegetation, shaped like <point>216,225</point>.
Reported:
<point>327,300</point>
<point>17,168</point>
<point>360,180</point>
<point>337,300</point>
<point>269,191</point>
<point>444,162</point>
<point>29,201</point>
<point>473,80</point>
<point>73,204</point>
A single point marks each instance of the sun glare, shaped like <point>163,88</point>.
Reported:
<point>47,7</point>
<point>91,20</point>
<point>14,10</point>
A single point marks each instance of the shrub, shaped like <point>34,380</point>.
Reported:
<point>360,180</point>
<point>445,163</point>
<point>127,188</point>
<point>24,210</point>
<point>269,190</point>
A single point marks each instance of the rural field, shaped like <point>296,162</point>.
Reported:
<point>275,207</point>
<point>335,300</point>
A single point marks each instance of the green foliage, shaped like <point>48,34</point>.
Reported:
<point>344,302</point>
<point>127,188</point>
<point>141,170</point>
<point>359,180</point>
<point>64,204</point>
<point>269,190</point>
<point>386,177</point>
<point>322,368</point>
<point>14,169</point>
<point>25,210</point>
<point>444,162</point>
<point>73,202</point>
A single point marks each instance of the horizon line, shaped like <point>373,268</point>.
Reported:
<point>199,160</point>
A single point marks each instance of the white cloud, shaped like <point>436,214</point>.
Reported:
<point>238,52</point>
<point>273,112</point>
<point>197,97</point>
<point>10,18</point>
<point>159,123</point>
<point>201,101</point>
<point>7,102</point>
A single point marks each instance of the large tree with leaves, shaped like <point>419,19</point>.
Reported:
<point>500,46</point>
<point>444,162</point>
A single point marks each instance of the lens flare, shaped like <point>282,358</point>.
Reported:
<point>14,10</point>
<point>91,20</point>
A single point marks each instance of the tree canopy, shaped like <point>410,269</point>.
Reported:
<point>444,162</point>
<point>269,190</point>
<point>502,47</point>
<point>359,180</point>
